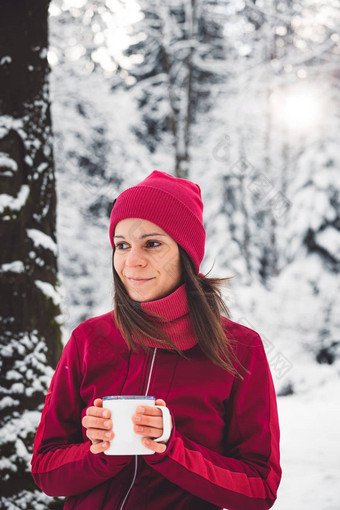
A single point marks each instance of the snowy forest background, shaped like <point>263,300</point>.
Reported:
<point>241,97</point>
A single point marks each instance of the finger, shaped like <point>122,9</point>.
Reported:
<point>96,423</point>
<point>96,435</point>
<point>148,410</point>
<point>151,421</point>
<point>98,411</point>
<point>148,431</point>
<point>99,447</point>
<point>98,402</point>
<point>160,402</point>
<point>152,445</point>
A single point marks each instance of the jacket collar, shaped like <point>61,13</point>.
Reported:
<point>171,307</point>
<point>174,308</point>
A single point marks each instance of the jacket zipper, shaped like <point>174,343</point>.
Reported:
<point>136,456</point>
<point>150,372</point>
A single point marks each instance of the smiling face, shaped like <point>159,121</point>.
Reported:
<point>146,259</point>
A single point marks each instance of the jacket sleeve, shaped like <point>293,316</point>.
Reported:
<point>249,473</point>
<point>62,464</point>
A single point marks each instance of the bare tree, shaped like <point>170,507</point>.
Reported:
<point>181,50</point>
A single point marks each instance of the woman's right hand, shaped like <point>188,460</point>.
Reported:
<point>98,426</point>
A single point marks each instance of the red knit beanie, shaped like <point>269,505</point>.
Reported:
<point>173,204</point>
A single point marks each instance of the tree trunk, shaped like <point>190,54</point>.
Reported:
<point>270,256</point>
<point>30,334</point>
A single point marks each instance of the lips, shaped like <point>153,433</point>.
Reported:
<point>138,283</point>
<point>138,279</point>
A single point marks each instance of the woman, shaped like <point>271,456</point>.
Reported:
<point>166,337</point>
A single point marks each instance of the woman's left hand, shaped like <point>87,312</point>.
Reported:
<point>150,423</point>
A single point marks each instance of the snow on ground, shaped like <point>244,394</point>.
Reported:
<point>310,417</point>
<point>310,449</point>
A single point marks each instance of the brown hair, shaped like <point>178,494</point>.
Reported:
<point>205,305</point>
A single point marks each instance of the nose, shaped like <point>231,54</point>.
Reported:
<point>135,257</point>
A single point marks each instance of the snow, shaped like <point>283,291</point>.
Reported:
<point>17,266</point>
<point>310,449</point>
<point>330,239</point>
<point>42,167</point>
<point>7,122</point>
<point>29,161</point>
<point>22,450</point>
<point>14,203</point>
<point>7,162</point>
<point>27,500</point>
<point>43,53</point>
<point>40,239</point>
<point>5,60</point>
<point>18,388</point>
<point>49,290</point>
<point>13,375</point>
<point>8,402</point>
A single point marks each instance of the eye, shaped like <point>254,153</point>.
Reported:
<point>119,246</point>
<point>153,242</point>
<point>149,244</point>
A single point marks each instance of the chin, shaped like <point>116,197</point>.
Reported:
<point>141,298</point>
<point>144,298</point>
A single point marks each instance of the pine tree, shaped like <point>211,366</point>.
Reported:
<point>30,335</point>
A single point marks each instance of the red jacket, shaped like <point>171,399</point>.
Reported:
<point>224,446</point>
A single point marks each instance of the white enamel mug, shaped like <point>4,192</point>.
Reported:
<point>126,441</point>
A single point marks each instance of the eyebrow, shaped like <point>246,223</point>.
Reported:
<point>141,237</point>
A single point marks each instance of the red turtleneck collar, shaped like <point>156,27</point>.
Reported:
<point>174,308</point>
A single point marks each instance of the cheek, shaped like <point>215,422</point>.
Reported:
<point>117,263</point>
<point>179,271</point>
<point>173,267</point>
